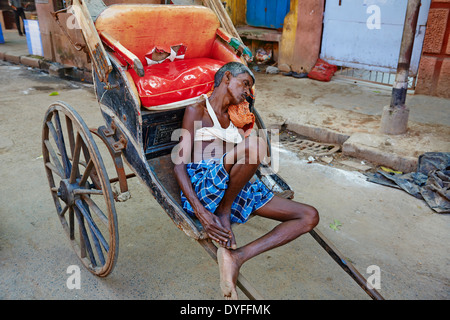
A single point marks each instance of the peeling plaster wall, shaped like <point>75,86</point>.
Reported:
<point>302,32</point>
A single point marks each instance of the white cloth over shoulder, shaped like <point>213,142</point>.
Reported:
<point>230,134</point>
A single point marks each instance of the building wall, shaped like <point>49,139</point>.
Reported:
<point>434,68</point>
<point>55,43</point>
<point>302,33</point>
<point>237,11</point>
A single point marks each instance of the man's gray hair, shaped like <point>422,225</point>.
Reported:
<point>235,68</point>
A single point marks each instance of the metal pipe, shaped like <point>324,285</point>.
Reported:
<point>400,86</point>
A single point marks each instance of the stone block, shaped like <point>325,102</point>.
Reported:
<point>30,62</point>
<point>317,133</point>
<point>44,65</point>
<point>374,149</point>
<point>57,70</point>
<point>12,58</point>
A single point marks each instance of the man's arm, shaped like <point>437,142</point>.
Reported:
<point>11,5</point>
<point>209,221</point>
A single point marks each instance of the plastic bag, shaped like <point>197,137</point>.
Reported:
<point>322,71</point>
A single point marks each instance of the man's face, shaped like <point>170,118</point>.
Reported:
<point>239,87</point>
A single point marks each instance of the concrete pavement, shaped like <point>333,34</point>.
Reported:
<point>342,111</point>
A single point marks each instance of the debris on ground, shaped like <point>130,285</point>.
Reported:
<point>431,181</point>
<point>357,165</point>
<point>335,225</point>
<point>264,54</point>
<point>272,70</point>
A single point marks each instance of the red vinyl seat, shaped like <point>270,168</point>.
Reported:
<point>142,28</point>
<point>169,82</point>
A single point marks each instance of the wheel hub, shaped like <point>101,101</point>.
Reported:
<point>66,192</point>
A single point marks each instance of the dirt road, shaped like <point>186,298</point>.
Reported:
<point>379,226</point>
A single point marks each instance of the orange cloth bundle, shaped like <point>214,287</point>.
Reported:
<point>241,116</point>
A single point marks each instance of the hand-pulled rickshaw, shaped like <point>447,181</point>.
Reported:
<point>142,102</point>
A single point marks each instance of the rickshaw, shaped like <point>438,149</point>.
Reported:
<point>149,63</point>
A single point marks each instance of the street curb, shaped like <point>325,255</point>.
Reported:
<point>52,68</point>
<point>400,163</point>
<point>354,149</point>
<point>12,58</point>
<point>30,62</point>
<point>317,133</point>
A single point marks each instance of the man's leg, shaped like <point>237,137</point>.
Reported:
<point>241,164</point>
<point>17,20</point>
<point>296,219</point>
<point>22,15</point>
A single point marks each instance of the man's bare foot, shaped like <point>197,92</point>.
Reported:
<point>229,271</point>
<point>226,223</point>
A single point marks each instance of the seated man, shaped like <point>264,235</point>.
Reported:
<point>214,165</point>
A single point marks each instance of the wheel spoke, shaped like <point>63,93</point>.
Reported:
<point>54,169</point>
<point>87,173</point>
<point>93,174</point>
<point>69,127</point>
<point>87,157</point>
<point>75,160</point>
<point>63,211</point>
<point>98,248</point>
<point>92,224</point>
<point>84,239</point>
<point>71,224</point>
<point>88,191</point>
<point>94,231</point>
<point>96,209</point>
<point>62,145</point>
<point>55,158</point>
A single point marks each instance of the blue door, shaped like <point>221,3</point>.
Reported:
<point>367,34</point>
<point>267,13</point>
<point>2,40</point>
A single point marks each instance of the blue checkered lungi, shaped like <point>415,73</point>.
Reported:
<point>210,180</point>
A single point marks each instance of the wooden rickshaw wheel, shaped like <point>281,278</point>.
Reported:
<point>80,188</point>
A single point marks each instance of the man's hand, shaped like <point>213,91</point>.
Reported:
<point>213,227</point>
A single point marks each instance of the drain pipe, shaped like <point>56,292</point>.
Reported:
<point>394,119</point>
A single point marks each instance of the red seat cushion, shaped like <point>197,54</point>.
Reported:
<point>141,27</point>
<point>169,82</point>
